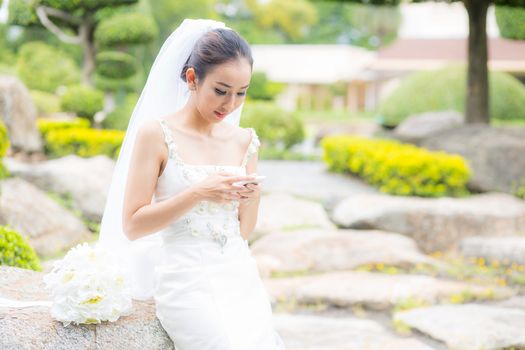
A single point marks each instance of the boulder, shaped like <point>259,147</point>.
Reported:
<point>496,155</point>
<point>375,291</point>
<point>505,250</point>
<point>323,250</point>
<point>470,326</point>
<point>87,180</point>
<point>19,114</point>
<point>418,127</point>
<point>436,224</point>
<point>33,327</point>
<point>49,227</point>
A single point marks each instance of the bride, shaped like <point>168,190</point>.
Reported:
<point>174,212</point>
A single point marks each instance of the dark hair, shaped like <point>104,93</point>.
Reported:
<point>215,47</point>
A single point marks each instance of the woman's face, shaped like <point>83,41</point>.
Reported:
<point>223,89</point>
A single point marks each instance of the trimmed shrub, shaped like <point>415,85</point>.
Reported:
<point>444,89</point>
<point>263,89</point>
<point>45,125</point>
<point>116,65</point>
<point>275,127</point>
<point>84,142</point>
<point>396,168</point>
<point>71,5</point>
<point>126,28</point>
<point>119,118</point>
<point>511,22</point>
<point>45,102</point>
<point>15,251</point>
<point>82,100</point>
<point>43,67</point>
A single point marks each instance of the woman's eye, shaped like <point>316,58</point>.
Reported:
<point>220,92</point>
<point>241,93</point>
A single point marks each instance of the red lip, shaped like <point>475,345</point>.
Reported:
<point>220,115</point>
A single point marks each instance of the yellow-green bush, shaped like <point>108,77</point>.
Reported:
<point>83,142</point>
<point>82,100</point>
<point>14,250</point>
<point>47,124</point>
<point>396,168</point>
<point>4,146</point>
<point>46,103</point>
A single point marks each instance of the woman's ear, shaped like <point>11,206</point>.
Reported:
<point>191,78</point>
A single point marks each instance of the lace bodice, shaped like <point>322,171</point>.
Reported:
<point>207,220</point>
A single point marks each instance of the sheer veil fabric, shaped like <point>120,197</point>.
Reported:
<point>164,93</point>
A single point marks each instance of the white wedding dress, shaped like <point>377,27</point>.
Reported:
<point>208,292</point>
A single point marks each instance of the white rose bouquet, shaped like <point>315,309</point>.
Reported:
<point>87,286</point>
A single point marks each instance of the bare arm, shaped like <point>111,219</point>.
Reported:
<point>248,211</point>
<point>140,217</point>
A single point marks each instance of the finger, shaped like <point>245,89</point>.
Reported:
<point>233,179</point>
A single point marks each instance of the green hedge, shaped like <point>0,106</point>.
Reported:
<point>82,100</point>
<point>396,168</point>
<point>71,5</point>
<point>116,65</point>
<point>263,89</point>
<point>46,103</point>
<point>126,28</point>
<point>44,67</point>
<point>444,89</point>
<point>511,22</point>
<point>275,127</point>
<point>119,118</point>
<point>47,124</point>
<point>83,142</point>
<point>15,251</point>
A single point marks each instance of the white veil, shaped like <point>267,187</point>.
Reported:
<point>164,93</point>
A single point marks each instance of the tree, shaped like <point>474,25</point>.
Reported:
<point>95,25</point>
<point>105,29</point>
<point>477,97</point>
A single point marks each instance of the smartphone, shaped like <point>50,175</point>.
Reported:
<point>258,179</point>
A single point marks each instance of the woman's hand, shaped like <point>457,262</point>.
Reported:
<point>219,187</point>
<point>251,192</point>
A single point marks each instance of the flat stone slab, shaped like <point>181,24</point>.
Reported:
<point>436,224</point>
<point>374,291</point>
<point>33,327</point>
<point>325,250</point>
<point>506,250</point>
<point>469,326</point>
<point>286,212</point>
<point>306,332</point>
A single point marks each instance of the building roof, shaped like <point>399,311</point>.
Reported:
<point>416,54</point>
<point>321,64</point>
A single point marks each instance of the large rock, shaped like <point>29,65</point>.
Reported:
<point>418,127</point>
<point>373,290</point>
<point>436,224</point>
<point>18,112</point>
<point>49,227</point>
<point>319,250</point>
<point>495,154</point>
<point>505,250</point>
<point>285,212</point>
<point>33,327</point>
<point>307,332</point>
<point>87,180</point>
<point>469,327</point>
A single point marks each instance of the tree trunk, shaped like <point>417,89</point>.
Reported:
<point>477,96</point>
<point>88,67</point>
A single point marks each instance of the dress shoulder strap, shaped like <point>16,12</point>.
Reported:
<point>168,138</point>
<point>252,147</point>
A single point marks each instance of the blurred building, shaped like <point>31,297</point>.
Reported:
<point>351,78</point>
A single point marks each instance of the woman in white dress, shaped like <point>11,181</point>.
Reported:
<point>207,289</point>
